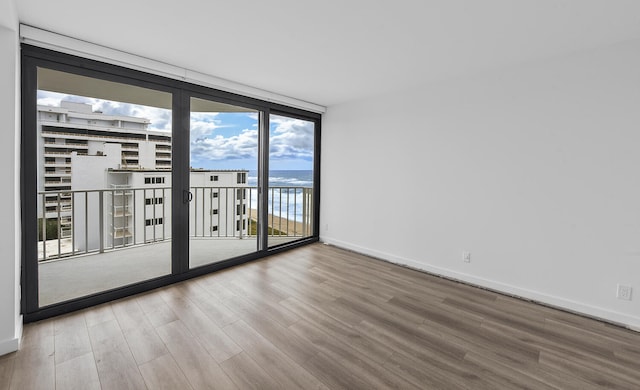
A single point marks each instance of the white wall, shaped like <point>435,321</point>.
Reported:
<point>535,170</point>
<point>10,319</point>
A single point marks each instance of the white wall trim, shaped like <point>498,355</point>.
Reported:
<point>8,346</point>
<point>616,318</point>
<point>50,40</point>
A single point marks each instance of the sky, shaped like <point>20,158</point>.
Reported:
<point>226,140</point>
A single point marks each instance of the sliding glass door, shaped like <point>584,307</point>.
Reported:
<point>223,207</point>
<point>291,178</point>
<point>103,163</point>
<point>131,181</point>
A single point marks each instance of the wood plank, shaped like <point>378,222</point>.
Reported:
<point>334,374</point>
<point>136,318</point>
<point>156,310</point>
<point>129,314</point>
<point>505,375</point>
<point>34,367</point>
<point>199,367</point>
<point>247,374</point>
<point>571,366</point>
<point>164,373</point>
<point>117,368</point>
<point>430,376</point>
<point>79,373</point>
<point>289,374</point>
<point>375,375</point>
<point>37,332</point>
<point>339,330</point>
<point>297,348</point>
<point>210,336</point>
<point>450,365</point>
<point>98,314</point>
<point>213,308</point>
<point>71,337</point>
<point>7,363</point>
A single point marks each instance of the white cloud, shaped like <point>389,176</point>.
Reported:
<point>160,118</point>
<point>241,146</point>
<point>203,125</point>
<point>291,139</point>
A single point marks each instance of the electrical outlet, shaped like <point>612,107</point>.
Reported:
<point>466,257</point>
<point>624,292</point>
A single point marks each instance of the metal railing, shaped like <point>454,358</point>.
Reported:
<point>79,222</point>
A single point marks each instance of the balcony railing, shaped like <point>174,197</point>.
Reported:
<point>94,221</point>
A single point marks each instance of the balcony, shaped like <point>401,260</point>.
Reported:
<point>108,238</point>
<point>72,145</point>
<point>57,164</point>
<point>63,173</point>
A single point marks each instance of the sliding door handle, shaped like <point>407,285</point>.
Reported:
<point>187,196</point>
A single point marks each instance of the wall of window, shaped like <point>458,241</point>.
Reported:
<point>175,165</point>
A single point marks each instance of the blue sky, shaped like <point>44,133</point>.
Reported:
<point>219,140</point>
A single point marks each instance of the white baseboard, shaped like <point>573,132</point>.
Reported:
<point>8,346</point>
<point>621,319</point>
<point>12,345</point>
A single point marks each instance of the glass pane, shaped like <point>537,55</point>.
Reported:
<point>290,192</point>
<point>104,185</point>
<point>224,161</point>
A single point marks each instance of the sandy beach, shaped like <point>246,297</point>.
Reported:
<point>282,224</point>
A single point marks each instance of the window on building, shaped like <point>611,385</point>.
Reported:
<point>154,180</point>
<point>213,178</point>
<point>214,211</point>
<point>150,201</point>
<point>242,194</point>
<point>214,194</point>
<point>214,228</point>
<point>152,221</point>
<point>242,177</point>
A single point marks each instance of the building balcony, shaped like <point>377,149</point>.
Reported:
<point>57,164</point>
<point>58,174</point>
<point>50,153</point>
<point>215,212</point>
<point>62,181</point>
<point>98,243</point>
<point>68,145</point>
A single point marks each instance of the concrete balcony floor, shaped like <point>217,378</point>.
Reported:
<point>76,276</point>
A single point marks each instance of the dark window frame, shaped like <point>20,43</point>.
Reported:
<point>33,57</point>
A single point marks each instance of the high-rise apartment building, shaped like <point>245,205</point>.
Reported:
<point>106,181</point>
<point>74,129</point>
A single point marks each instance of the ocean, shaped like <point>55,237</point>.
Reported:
<point>297,178</point>
<point>283,203</point>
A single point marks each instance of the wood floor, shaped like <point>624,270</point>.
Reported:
<point>319,317</point>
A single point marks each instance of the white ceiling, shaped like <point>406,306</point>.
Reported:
<point>332,51</point>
